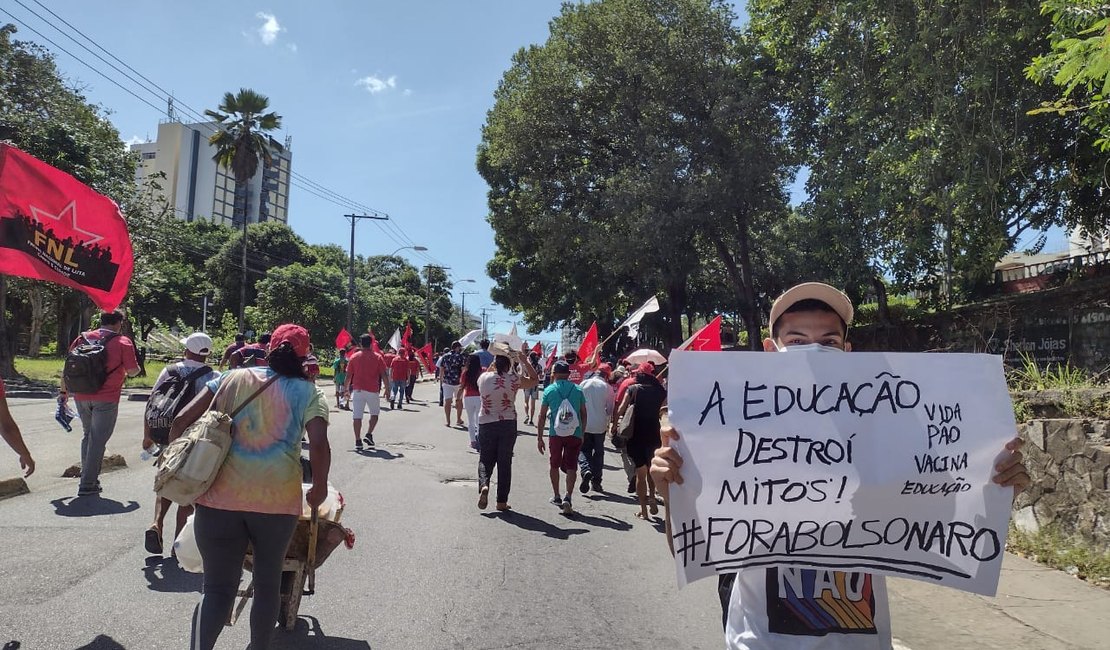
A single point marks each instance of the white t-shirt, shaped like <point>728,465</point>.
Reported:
<point>183,368</point>
<point>599,404</point>
<point>786,608</point>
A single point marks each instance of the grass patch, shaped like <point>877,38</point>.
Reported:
<point>48,370</point>
<point>1030,376</point>
<point>1067,553</point>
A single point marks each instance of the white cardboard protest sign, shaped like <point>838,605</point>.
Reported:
<point>877,462</point>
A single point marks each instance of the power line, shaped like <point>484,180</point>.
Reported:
<point>298,180</point>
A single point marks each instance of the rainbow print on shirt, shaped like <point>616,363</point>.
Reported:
<point>816,602</point>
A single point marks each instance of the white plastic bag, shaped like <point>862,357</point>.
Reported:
<point>185,546</point>
<point>330,509</point>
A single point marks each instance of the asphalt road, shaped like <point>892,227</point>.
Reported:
<point>428,569</point>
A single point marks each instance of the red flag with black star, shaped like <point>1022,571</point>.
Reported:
<point>343,339</point>
<point>56,228</point>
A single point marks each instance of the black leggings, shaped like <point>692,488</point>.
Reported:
<point>495,448</point>
<point>222,537</point>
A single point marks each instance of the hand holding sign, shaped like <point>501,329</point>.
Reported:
<point>878,462</point>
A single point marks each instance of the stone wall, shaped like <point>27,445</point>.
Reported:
<point>1069,462</point>
<point>1065,324</point>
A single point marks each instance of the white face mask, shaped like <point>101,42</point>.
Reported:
<point>809,347</point>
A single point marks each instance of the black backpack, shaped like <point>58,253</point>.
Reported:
<point>86,366</point>
<point>169,397</point>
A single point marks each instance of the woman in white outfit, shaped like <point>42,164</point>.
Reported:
<point>468,393</point>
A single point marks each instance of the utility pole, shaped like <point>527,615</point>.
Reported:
<point>353,218</point>
<point>462,310</point>
<point>428,300</point>
<point>485,320</point>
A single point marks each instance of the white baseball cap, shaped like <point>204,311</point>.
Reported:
<point>827,294</point>
<point>198,343</point>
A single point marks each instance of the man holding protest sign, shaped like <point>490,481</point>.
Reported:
<point>831,467</point>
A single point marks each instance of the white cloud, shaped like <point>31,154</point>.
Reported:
<point>292,47</point>
<point>133,140</point>
<point>375,85</point>
<point>269,29</point>
<point>408,91</point>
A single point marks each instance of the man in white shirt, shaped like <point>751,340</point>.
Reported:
<point>194,366</point>
<point>785,607</point>
<point>599,409</point>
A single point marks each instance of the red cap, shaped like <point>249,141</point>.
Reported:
<point>646,368</point>
<point>294,335</point>
<point>605,369</point>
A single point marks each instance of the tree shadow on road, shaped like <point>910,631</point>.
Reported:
<point>308,635</point>
<point>528,522</point>
<point>166,575</point>
<point>91,506</point>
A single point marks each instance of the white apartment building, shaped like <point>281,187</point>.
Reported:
<point>197,188</point>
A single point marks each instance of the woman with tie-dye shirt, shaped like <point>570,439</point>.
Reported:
<point>256,496</point>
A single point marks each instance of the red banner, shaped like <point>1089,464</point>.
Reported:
<point>61,231</point>
<point>343,339</point>
<point>538,349</point>
<point>707,339</point>
<point>428,357</point>
<point>551,359</point>
<point>405,337</point>
<point>589,344</point>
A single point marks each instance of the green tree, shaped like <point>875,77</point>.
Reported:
<point>925,167</point>
<point>313,296</point>
<point>242,142</point>
<point>48,117</point>
<point>636,140</point>
<point>274,244</point>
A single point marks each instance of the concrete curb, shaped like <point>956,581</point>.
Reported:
<point>13,487</point>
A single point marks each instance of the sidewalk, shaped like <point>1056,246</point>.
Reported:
<point>1036,608</point>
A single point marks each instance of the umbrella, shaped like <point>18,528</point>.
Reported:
<point>646,354</point>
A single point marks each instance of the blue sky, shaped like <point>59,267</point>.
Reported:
<point>384,100</point>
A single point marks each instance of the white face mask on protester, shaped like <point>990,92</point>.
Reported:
<point>809,347</point>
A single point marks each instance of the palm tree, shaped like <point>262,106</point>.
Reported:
<point>242,141</point>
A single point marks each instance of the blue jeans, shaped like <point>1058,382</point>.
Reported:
<point>98,421</point>
<point>591,459</point>
<point>397,390</point>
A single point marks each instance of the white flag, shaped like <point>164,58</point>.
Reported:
<point>395,340</point>
<point>470,338</point>
<point>633,321</point>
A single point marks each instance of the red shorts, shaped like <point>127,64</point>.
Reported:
<point>564,452</point>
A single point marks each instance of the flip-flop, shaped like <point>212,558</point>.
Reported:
<point>153,541</point>
<point>483,498</point>
<point>640,515</point>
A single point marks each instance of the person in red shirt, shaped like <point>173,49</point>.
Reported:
<point>414,372</point>
<point>366,376</point>
<point>98,410</point>
<point>9,431</point>
<point>398,380</point>
<point>579,369</point>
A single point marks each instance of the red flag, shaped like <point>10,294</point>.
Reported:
<point>551,359</point>
<point>427,356</point>
<point>589,344</point>
<point>62,231</point>
<point>373,340</point>
<point>343,339</point>
<point>406,335</point>
<point>707,339</point>
<point>538,348</point>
